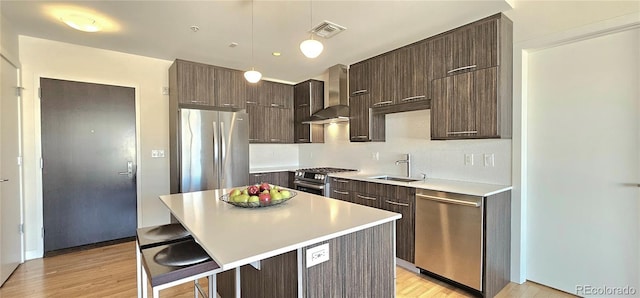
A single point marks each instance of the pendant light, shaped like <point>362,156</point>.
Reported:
<point>311,47</point>
<point>252,76</point>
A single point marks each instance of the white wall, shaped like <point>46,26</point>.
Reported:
<point>273,155</point>
<point>44,58</point>
<point>9,46</point>
<point>409,132</point>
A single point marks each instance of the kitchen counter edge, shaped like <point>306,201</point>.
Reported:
<point>452,186</point>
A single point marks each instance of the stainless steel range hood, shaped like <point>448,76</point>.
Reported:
<point>337,106</point>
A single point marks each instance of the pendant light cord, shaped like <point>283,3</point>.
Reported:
<point>252,55</point>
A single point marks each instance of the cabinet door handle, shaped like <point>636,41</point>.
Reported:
<point>414,97</point>
<point>199,101</point>
<point>341,192</point>
<point>366,198</point>
<point>360,137</point>
<point>258,175</point>
<point>340,181</point>
<point>382,103</point>
<point>397,204</point>
<point>275,140</point>
<point>303,140</point>
<point>303,105</point>
<point>461,132</point>
<point>252,102</point>
<point>462,68</point>
<point>275,105</point>
<point>229,105</point>
<point>357,92</point>
<point>254,139</point>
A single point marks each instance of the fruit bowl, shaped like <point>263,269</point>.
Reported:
<point>239,201</point>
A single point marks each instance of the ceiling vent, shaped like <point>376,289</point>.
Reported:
<point>327,29</point>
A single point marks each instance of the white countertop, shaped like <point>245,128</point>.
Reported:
<point>235,236</point>
<point>272,169</point>
<point>461,187</point>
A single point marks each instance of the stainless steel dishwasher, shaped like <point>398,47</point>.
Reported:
<point>449,233</point>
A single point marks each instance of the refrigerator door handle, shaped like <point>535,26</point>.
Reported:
<point>215,148</point>
<point>224,152</point>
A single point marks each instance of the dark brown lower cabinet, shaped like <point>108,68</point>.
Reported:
<point>360,264</point>
<point>275,178</point>
<point>392,198</point>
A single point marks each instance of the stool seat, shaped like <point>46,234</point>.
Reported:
<point>173,262</point>
<point>184,253</point>
<point>163,234</point>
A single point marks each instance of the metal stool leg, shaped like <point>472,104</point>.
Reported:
<point>213,291</point>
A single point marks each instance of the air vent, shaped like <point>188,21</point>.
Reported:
<point>327,29</point>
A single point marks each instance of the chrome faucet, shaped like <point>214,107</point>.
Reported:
<point>407,160</point>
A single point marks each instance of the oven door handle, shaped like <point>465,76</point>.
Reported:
<point>309,185</point>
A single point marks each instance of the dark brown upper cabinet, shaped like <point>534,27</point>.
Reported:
<point>362,126</point>
<point>359,78</point>
<point>409,79</point>
<point>270,124</point>
<point>194,82</point>
<point>472,47</point>
<point>308,99</point>
<point>231,89</point>
<point>282,95</point>
<point>467,106</point>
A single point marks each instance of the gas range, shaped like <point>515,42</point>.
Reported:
<point>316,180</point>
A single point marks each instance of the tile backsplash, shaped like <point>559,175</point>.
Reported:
<point>407,132</point>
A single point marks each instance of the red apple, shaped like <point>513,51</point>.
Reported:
<point>253,190</point>
<point>265,198</point>
<point>264,186</point>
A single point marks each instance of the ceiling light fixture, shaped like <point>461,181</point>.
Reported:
<point>252,76</point>
<point>311,47</point>
<point>82,23</point>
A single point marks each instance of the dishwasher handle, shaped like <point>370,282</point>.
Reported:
<point>449,201</point>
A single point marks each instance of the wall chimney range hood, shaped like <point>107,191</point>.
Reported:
<point>337,107</point>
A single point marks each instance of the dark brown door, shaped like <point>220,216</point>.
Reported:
<point>88,141</point>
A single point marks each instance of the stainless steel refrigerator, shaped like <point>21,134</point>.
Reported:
<point>213,149</point>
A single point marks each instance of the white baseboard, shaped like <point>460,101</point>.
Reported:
<point>32,254</point>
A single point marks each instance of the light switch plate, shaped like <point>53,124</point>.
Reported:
<point>489,160</point>
<point>317,255</point>
<point>468,159</point>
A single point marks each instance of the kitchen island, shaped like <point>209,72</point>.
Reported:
<point>271,250</point>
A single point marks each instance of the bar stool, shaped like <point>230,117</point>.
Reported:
<point>154,236</point>
<point>175,263</point>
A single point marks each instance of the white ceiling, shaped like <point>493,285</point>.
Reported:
<point>160,29</point>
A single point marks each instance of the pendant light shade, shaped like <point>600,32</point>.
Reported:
<point>252,76</point>
<point>311,48</point>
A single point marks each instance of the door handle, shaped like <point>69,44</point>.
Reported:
<point>129,171</point>
<point>4,180</point>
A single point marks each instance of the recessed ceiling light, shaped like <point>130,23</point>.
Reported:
<point>276,54</point>
<point>194,28</point>
<point>80,22</point>
<point>233,44</point>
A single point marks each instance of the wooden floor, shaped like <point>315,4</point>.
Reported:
<point>111,272</point>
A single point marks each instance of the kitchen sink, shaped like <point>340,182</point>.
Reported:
<point>390,178</point>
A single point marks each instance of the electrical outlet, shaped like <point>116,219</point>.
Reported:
<point>317,255</point>
<point>489,160</point>
<point>468,159</point>
<point>375,155</point>
<point>160,153</point>
<point>165,90</point>
<point>154,153</point>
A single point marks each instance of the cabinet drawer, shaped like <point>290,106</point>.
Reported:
<point>343,195</point>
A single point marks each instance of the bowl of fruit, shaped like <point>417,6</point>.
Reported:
<point>259,195</point>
